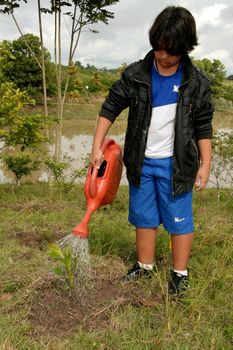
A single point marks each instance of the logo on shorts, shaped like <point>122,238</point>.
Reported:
<point>177,219</point>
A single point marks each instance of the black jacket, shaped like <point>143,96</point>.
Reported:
<point>193,119</point>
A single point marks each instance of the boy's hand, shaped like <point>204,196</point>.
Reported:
<point>202,178</point>
<point>102,127</point>
<point>96,158</point>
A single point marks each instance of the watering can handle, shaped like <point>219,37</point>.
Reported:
<point>93,184</point>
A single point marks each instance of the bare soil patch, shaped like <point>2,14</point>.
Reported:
<point>58,312</point>
<point>37,240</point>
<point>30,239</point>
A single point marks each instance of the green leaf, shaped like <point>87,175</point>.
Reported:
<point>54,251</point>
<point>58,271</point>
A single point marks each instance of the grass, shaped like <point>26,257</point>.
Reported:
<point>223,119</point>
<point>33,215</point>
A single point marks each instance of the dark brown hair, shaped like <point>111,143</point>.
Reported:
<point>174,30</point>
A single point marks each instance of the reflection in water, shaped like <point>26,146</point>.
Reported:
<point>77,148</point>
<point>74,149</point>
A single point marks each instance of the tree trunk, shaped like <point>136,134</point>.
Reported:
<point>43,62</point>
<point>73,46</point>
<point>57,56</point>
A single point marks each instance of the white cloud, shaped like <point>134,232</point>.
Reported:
<point>125,39</point>
<point>209,15</point>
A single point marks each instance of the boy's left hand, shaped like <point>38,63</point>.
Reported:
<point>202,178</point>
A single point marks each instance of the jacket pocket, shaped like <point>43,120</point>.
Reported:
<point>191,158</point>
<point>130,137</point>
<point>187,112</point>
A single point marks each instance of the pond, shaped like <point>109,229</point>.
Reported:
<point>76,145</point>
<point>77,138</point>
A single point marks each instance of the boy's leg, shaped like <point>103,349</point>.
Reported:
<point>145,244</point>
<point>181,247</point>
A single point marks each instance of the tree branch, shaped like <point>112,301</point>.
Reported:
<point>29,48</point>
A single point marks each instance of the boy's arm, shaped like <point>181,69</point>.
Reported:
<point>102,127</point>
<point>116,101</point>
<point>205,148</point>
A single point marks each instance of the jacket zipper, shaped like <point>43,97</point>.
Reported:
<point>144,83</point>
<point>186,82</point>
<point>149,97</point>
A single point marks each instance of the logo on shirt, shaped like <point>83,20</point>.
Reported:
<point>177,219</point>
<point>176,88</point>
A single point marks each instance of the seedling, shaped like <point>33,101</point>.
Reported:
<point>67,263</point>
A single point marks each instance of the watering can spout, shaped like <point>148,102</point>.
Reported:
<point>81,230</point>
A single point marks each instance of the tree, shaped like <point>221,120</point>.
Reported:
<point>19,66</point>
<point>8,7</point>
<point>42,59</point>
<point>222,163</point>
<point>215,71</point>
<point>83,13</point>
<point>21,165</point>
<point>228,92</point>
<point>19,132</point>
<point>26,131</point>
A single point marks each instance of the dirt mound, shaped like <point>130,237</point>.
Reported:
<point>30,239</point>
<point>37,240</point>
<point>58,312</point>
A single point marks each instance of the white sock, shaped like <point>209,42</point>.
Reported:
<point>146,266</point>
<point>182,273</point>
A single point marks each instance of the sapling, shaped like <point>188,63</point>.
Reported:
<point>21,165</point>
<point>222,162</point>
<point>67,266</point>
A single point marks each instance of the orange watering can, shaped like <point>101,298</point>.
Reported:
<point>101,184</point>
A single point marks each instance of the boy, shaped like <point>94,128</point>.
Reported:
<point>167,147</point>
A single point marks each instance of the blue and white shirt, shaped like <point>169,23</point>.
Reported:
<point>160,139</point>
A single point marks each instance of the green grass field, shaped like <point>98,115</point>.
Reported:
<point>37,312</point>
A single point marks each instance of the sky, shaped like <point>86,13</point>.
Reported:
<point>125,38</point>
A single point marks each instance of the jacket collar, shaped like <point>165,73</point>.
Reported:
<point>143,73</point>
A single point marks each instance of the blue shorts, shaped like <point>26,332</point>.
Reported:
<point>152,203</point>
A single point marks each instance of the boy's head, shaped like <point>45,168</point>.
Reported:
<point>174,30</point>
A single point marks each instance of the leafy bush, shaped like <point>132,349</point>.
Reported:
<point>222,162</point>
<point>21,165</point>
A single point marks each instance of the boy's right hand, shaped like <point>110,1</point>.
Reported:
<point>96,158</point>
<point>102,127</point>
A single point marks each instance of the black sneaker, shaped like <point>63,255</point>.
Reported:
<point>137,272</point>
<point>178,284</point>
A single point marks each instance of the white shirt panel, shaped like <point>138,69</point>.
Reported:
<point>160,139</point>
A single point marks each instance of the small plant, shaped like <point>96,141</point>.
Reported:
<point>57,168</point>
<point>65,176</point>
<point>21,165</point>
<point>67,263</point>
<point>222,163</point>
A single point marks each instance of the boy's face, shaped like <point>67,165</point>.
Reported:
<point>166,60</point>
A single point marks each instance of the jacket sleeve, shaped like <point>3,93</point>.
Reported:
<point>118,97</point>
<point>203,116</point>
